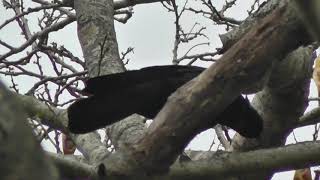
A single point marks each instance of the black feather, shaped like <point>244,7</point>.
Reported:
<point>145,91</point>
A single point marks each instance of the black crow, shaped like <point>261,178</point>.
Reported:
<point>145,91</point>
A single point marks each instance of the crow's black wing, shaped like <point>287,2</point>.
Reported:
<point>118,81</point>
<point>100,110</point>
<point>145,91</point>
<point>116,96</point>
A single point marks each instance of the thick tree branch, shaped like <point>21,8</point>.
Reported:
<point>290,74</point>
<point>91,147</point>
<point>45,114</point>
<point>309,118</point>
<point>225,164</point>
<point>70,168</point>
<point>97,37</point>
<point>234,66</point>
<point>98,40</point>
<point>217,164</point>
<point>192,108</point>
<point>309,12</point>
<point>118,4</point>
<point>282,101</point>
<point>89,144</point>
<point>126,131</point>
<point>230,38</point>
<point>21,156</point>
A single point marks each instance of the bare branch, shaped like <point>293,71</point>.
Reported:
<point>54,27</point>
<point>30,10</point>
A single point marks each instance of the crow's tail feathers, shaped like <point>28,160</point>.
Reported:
<point>242,117</point>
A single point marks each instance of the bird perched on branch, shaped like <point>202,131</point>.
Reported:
<point>145,91</point>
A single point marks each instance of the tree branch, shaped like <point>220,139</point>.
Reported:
<point>117,4</point>
<point>126,3</point>
<point>234,164</point>
<point>309,13</point>
<point>97,37</point>
<point>98,40</point>
<point>230,38</point>
<point>71,168</point>
<point>216,164</point>
<point>47,115</point>
<point>309,118</point>
<point>193,107</point>
<point>89,144</point>
<point>21,156</point>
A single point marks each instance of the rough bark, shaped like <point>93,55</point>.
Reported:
<point>206,165</point>
<point>250,60</point>
<point>291,78</point>
<point>214,165</point>
<point>282,101</point>
<point>96,28</point>
<point>230,38</point>
<point>48,115</point>
<point>123,133</point>
<point>20,154</point>
<point>309,118</point>
<point>192,107</point>
<point>224,164</point>
<point>98,40</point>
<point>290,83</point>
<point>89,145</point>
<point>117,4</point>
<point>97,36</point>
<point>72,168</point>
<point>308,12</point>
